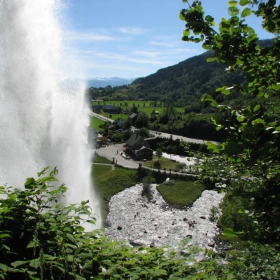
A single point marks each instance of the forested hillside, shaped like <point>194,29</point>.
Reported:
<point>181,85</point>
<point>186,81</point>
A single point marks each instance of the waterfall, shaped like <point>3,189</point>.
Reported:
<point>43,118</point>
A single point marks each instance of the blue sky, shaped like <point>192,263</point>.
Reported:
<point>129,39</point>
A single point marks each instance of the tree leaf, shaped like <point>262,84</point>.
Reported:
<point>244,2</point>
<point>19,263</point>
<point>233,11</point>
<point>212,146</point>
<point>206,47</point>
<point>186,32</point>
<point>211,59</point>
<point>71,237</point>
<point>209,98</point>
<point>35,263</point>
<point>43,171</point>
<point>258,121</point>
<point>246,12</point>
<point>232,3</point>
<point>182,17</point>
<point>276,86</point>
<point>229,232</point>
<point>257,108</point>
<point>209,18</point>
<point>240,118</point>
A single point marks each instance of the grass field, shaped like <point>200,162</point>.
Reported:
<point>164,163</point>
<point>181,193</point>
<point>143,106</point>
<point>95,123</point>
<point>99,159</point>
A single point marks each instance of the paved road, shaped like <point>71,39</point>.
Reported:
<point>100,117</point>
<point>175,137</point>
<point>114,151</point>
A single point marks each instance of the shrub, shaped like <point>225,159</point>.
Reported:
<point>40,238</point>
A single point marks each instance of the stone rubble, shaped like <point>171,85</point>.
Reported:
<point>134,219</point>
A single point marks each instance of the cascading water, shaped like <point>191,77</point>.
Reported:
<point>43,120</point>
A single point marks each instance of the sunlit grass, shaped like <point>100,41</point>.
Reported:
<point>95,123</point>
<point>164,163</point>
<point>99,159</point>
<point>181,193</point>
<point>142,106</point>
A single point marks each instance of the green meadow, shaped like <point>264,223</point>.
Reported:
<point>164,163</point>
<point>95,123</point>
<point>143,106</point>
<point>181,192</point>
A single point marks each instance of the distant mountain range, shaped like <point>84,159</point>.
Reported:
<point>113,82</point>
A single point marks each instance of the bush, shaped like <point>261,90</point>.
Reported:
<point>40,238</point>
<point>147,182</point>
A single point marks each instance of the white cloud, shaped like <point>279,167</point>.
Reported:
<point>87,37</point>
<point>131,30</point>
<point>164,44</point>
<point>151,54</point>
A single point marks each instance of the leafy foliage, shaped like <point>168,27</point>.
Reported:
<point>41,238</point>
<point>147,182</point>
<point>250,164</point>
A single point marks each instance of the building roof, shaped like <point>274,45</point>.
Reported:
<point>133,115</point>
<point>144,148</point>
<point>134,139</point>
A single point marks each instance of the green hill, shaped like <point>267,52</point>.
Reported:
<point>186,81</point>
<point>181,85</point>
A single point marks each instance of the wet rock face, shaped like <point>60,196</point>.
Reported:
<point>134,219</point>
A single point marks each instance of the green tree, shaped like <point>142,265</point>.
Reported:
<point>143,132</point>
<point>142,120</point>
<point>134,109</point>
<point>249,158</point>
<point>147,182</point>
<point>159,153</point>
<point>168,114</point>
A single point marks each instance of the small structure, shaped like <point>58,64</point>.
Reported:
<point>96,108</point>
<point>143,153</point>
<point>119,122</point>
<point>112,127</point>
<point>127,111</point>
<point>111,109</point>
<point>132,118</point>
<point>101,141</point>
<point>138,148</point>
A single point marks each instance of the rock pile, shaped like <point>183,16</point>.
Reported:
<point>154,223</point>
